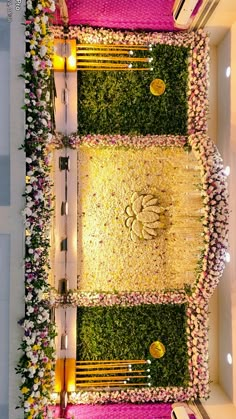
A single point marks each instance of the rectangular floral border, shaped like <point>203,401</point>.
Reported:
<point>198,387</point>
<point>215,215</point>
<point>215,221</point>
<point>198,64</point>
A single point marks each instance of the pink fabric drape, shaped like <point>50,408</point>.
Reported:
<point>121,411</point>
<point>117,411</point>
<point>127,14</point>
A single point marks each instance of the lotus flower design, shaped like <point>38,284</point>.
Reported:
<point>143,217</point>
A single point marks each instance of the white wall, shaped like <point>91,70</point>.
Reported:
<point>4,112</point>
<point>232,163</point>
<point>11,226</point>
<point>4,321</point>
<point>219,405</point>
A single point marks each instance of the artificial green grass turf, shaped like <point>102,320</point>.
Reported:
<point>116,332</point>
<point>120,102</point>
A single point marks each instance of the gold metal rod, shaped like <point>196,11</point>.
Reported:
<point>129,59</point>
<point>88,64</point>
<point>113,69</point>
<point>114,361</point>
<point>94,51</point>
<point>89,372</point>
<point>111,384</point>
<point>110,46</point>
<point>113,378</point>
<point>100,367</point>
<point>100,378</point>
<point>100,384</point>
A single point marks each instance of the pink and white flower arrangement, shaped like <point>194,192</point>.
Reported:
<point>138,395</point>
<point>76,298</point>
<point>216,217</point>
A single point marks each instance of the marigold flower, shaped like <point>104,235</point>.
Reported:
<point>24,390</point>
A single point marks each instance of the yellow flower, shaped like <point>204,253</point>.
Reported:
<point>48,366</point>
<point>30,400</point>
<point>32,52</point>
<point>50,42</point>
<point>24,390</point>
<point>35,347</point>
<point>43,28</point>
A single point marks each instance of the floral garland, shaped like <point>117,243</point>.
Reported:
<point>36,365</point>
<point>198,63</point>
<point>141,395</point>
<point>74,298</point>
<point>134,141</point>
<point>198,387</point>
<point>216,218</point>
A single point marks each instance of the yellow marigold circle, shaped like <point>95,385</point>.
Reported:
<point>157,87</point>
